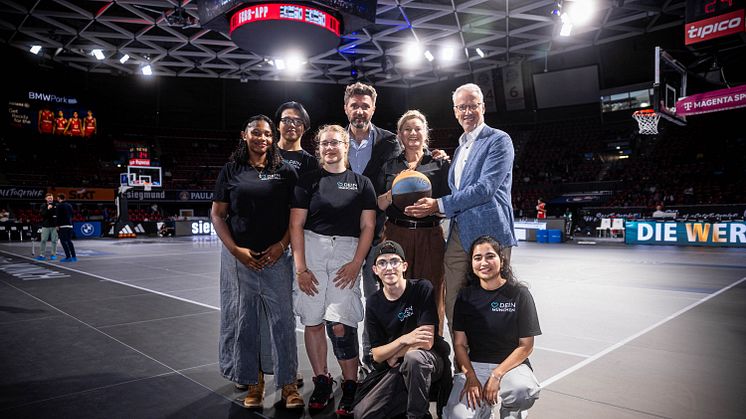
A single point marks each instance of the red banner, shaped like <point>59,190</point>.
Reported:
<point>281,11</point>
<point>714,27</point>
<point>715,101</point>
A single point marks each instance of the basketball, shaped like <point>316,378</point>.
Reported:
<point>408,187</point>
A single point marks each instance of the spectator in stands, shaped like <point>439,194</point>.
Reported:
<point>332,222</point>
<point>402,321</point>
<point>250,212</point>
<point>4,215</point>
<point>422,239</point>
<point>659,213</point>
<point>48,227</point>
<point>495,322</point>
<point>480,180</point>
<point>293,121</point>
<point>65,215</point>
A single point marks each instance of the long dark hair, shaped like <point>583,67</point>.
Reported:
<point>241,154</point>
<point>506,272</point>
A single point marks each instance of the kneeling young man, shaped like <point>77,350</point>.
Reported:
<point>402,319</point>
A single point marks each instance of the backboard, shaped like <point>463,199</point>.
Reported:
<point>139,176</point>
<point>669,86</point>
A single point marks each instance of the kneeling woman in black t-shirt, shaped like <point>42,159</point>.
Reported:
<point>332,220</point>
<point>250,213</point>
<point>494,325</point>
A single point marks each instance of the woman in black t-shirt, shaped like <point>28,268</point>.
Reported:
<point>494,325</point>
<point>250,213</point>
<point>421,238</point>
<point>332,221</point>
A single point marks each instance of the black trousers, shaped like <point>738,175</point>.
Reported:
<point>66,239</point>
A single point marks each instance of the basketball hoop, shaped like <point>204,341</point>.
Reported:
<point>647,119</point>
<point>148,186</point>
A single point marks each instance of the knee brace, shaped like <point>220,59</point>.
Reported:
<point>344,340</point>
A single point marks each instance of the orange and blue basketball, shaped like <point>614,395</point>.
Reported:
<point>408,187</point>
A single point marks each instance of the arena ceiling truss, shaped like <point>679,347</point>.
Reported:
<point>167,35</point>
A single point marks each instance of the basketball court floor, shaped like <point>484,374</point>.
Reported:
<point>131,331</point>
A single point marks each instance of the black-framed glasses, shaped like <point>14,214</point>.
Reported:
<point>462,108</point>
<point>292,121</point>
<point>393,262</point>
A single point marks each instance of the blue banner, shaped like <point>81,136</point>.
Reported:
<point>87,229</point>
<point>730,234</point>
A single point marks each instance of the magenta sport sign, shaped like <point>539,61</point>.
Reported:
<point>715,101</point>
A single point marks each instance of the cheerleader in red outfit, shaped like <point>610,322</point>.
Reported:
<point>89,125</point>
<point>74,126</point>
<point>60,124</point>
<point>46,121</point>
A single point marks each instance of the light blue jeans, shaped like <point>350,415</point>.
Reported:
<point>242,292</point>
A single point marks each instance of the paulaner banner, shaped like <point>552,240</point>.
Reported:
<point>715,101</point>
<point>730,234</point>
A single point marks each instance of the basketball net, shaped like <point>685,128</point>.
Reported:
<point>148,186</point>
<point>647,120</point>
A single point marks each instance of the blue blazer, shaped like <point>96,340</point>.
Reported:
<point>483,205</point>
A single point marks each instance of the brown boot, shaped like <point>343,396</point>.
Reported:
<point>292,397</point>
<point>255,398</point>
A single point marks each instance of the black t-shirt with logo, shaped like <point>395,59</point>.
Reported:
<point>494,320</point>
<point>387,320</point>
<point>334,201</point>
<point>259,210</point>
<point>302,161</point>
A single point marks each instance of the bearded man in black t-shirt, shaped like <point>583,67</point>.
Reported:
<point>402,319</point>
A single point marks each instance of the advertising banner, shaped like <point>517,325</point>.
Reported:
<point>194,228</point>
<point>714,27</point>
<point>87,229</point>
<point>726,234</point>
<point>85,194</point>
<point>715,101</point>
<point>25,193</point>
<point>513,87</point>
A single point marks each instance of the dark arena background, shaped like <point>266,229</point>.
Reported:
<point>643,315</point>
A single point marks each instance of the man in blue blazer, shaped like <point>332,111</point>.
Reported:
<point>480,179</point>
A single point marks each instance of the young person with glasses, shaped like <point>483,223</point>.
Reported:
<point>332,222</point>
<point>402,322</point>
<point>293,121</point>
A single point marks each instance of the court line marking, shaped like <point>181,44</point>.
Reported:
<point>59,266</point>
<point>625,341</point>
<point>562,352</point>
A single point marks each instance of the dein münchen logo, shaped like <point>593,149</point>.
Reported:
<point>406,313</point>
<point>507,306</point>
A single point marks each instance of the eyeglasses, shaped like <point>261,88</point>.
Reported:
<point>463,108</point>
<point>331,144</point>
<point>383,263</point>
<point>292,121</point>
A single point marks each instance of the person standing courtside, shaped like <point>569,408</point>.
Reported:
<point>65,228</point>
<point>48,227</point>
<point>480,179</point>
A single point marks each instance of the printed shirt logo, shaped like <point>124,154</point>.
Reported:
<point>296,164</point>
<point>347,186</point>
<point>406,313</point>
<point>503,307</point>
<point>270,176</point>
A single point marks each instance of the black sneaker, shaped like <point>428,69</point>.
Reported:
<point>322,392</point>
<point>349,387</point>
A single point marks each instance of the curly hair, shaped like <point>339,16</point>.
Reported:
<point>241,154</point>
<point>506,272</point>
<point>361,89</point>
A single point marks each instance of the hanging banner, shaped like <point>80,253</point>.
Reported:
<point>715,101</point>
<point>513,87</point>
<point>484,81</point>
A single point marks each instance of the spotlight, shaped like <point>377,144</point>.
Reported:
<point>294,62</point>
<point>480,52</point>
<point>413,52</point>
<point>124,58</point>
<point>98,54</point>
<point>244,78</point>
<point>353,73</point>
<point>147,70</point>
<point>429,56</point>
<point>35,49</point>
<point>447,53</point>
<point>580,11</point>
<point>566,25</point>
<point>280,64</point>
